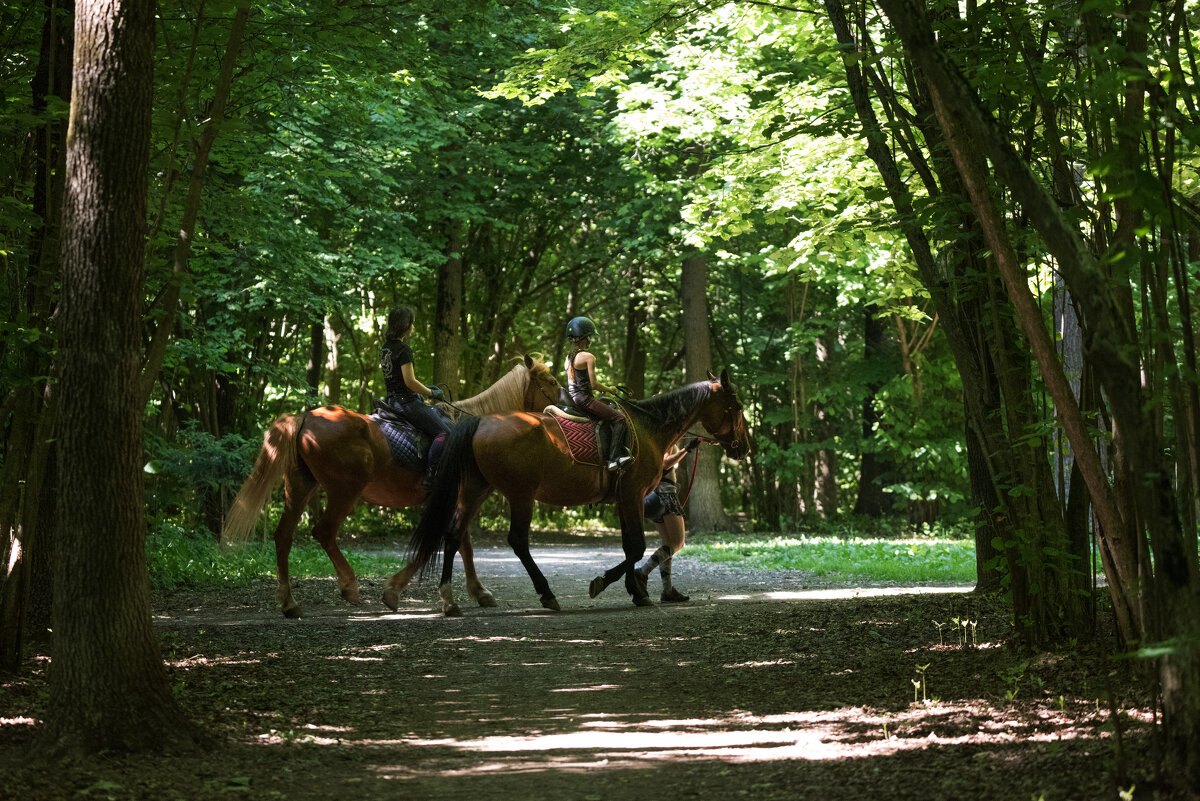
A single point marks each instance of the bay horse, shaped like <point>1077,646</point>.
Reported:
<point>347,454</point>
<point>524,457</point>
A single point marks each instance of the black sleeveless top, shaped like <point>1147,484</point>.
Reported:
<point>395,355</point>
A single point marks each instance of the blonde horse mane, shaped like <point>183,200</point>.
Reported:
<point>506,395</point>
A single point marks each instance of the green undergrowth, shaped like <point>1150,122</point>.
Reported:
<point>845,558</point>
<point>179,559</point>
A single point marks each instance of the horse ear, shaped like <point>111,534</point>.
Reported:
<point>528,362</point>
<point>711,377</point>
<point>725,379</point>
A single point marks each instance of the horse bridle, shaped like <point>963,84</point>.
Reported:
<point>732,413</point>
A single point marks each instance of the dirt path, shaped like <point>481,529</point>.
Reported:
<point>763,686</point>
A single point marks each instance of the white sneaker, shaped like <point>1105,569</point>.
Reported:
<point>619,462</point>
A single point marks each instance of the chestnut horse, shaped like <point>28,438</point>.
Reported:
<point>347,454</point>
<point>523,457</point>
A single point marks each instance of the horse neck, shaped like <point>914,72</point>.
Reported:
<point>506,395</point>
<point>665,425</point>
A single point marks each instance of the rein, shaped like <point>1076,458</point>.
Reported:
<point>695,467</point>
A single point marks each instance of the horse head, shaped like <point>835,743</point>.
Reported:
<point>724,418</point>
<point>542,388</point>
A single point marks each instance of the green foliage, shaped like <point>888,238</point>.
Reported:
<point>184,474</point>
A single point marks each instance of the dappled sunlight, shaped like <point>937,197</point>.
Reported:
<point>609,741</point>
<point>18,721</point>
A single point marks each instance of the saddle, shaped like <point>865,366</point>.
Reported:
<point>408,444</point>
<point>587,438</point>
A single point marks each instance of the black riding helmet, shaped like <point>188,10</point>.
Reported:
<point>581,328</point>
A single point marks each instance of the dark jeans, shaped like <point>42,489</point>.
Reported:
<point>423,417</point>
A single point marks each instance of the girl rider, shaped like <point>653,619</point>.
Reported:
<point>582,382</point>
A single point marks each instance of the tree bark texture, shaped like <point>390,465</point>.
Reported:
<point>874,466</point>
<point>447,320</point>
<point>108,687</point>
<point>704,504</point>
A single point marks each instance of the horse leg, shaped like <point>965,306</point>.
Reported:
<point>454,540</point>
<point>600,583</point>
<point>475,587</point>
<point>520,516</point>
<point>391,593</point>
<point>298,489</point>
<point>633,540</point>
<point>337,508</point>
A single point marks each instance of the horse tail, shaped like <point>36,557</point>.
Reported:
<point>278,454</point>
<point>441,507</point>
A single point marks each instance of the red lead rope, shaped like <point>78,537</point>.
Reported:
<point>695,464</point>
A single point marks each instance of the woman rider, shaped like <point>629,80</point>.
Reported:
<point>404,390</point>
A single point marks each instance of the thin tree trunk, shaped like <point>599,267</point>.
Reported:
<point>182,255</point>
<point>26,481</point>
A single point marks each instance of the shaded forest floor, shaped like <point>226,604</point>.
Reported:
<point>764,685</point>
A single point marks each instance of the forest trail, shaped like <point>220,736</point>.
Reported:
<point>764,686</point>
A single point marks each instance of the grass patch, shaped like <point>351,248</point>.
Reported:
<point>850,559</point>
<point>178,559</point>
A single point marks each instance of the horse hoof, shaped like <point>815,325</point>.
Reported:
<point>674,596</point>
<point>350,596</point>
<point>452,611</point>
<point>642,600</point>
<point>487,600</point>
<point>551,603</point>
<point>391,599</point>
<point>292,612</point>
<point>596,587</point>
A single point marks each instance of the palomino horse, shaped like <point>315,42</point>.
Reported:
<point>523,457</point>
<point>347,454</point>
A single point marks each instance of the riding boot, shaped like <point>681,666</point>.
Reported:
<point>618,455</point>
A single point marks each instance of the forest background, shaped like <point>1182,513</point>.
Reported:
<point>947,252</point>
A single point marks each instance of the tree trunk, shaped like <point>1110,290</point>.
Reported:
<point>635,321</point>
<point>108,690</point>
<point>447,321</point>
<point>872,501</point>
<point>316,360</point>
<point>704,504</point>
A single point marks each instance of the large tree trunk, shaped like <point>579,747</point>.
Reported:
<point>704,504</point>
<point>108,689</point>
